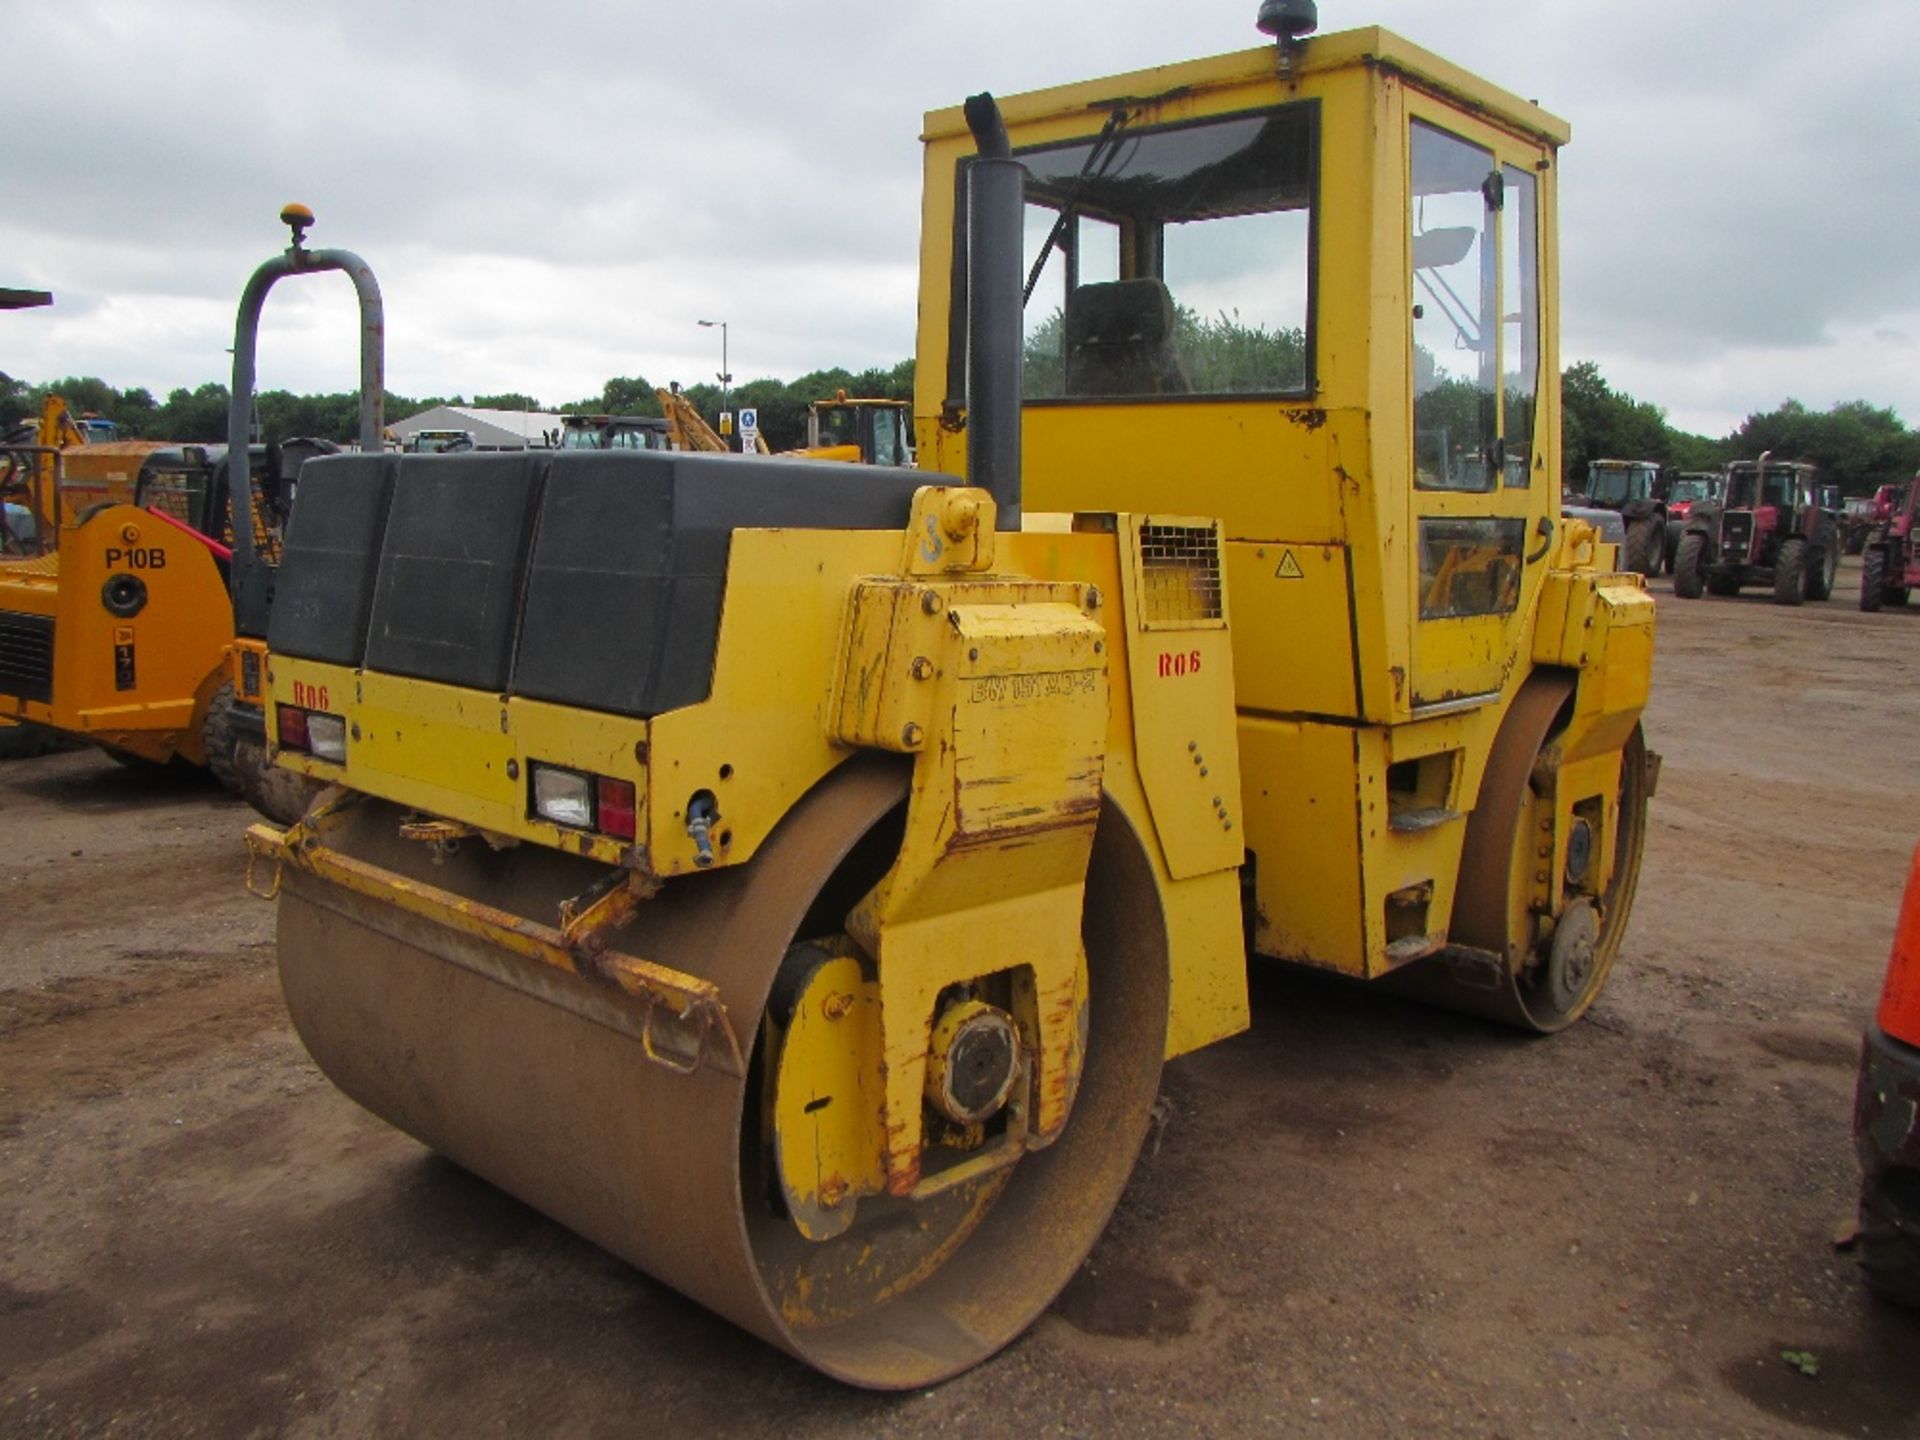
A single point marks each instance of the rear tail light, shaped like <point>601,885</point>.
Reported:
<point>614,807</point>
<point>583,801</point>
<point>293,728</point>
<point>312,732</point>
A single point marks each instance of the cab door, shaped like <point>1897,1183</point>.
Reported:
<point>1484,480</point>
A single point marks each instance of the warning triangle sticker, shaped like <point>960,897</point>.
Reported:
<point>1289,567</point>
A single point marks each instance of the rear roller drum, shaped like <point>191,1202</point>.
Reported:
<point>541,1084</point>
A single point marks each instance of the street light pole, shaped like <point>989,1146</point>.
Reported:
<point>725,377</point>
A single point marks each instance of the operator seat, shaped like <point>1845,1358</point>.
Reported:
<point>1120,340</point>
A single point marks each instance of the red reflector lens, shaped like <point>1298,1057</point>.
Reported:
<point>293,728</point>
<point>614,807</point>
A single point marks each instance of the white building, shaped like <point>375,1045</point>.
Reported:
<point>491,429</point>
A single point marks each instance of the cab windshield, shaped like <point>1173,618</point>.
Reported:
<point>1690,490</point>
<point>1778,489</point>
<point>835,425</point>
<point>615,436</point>
<point>891,445</point>
<point>636,437</point>
<point>1172,261</point>
<point>1619,482</point>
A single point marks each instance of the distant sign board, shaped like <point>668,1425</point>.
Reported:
<point>749,427</point>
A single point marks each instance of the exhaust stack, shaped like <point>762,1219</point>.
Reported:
<point>995,199</point>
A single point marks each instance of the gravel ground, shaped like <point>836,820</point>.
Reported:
<point>1360,1218</point>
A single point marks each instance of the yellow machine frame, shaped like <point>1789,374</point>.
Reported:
<point>134,620</point>
<point>121,633</point>
<point>1194,682</point>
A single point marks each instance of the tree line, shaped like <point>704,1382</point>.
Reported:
<point>199,416</point>
<point>1856,444</point>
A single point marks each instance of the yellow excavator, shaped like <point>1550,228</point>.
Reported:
<point>801,897</point>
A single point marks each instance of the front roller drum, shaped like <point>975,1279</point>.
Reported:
<point>532,1082</point>
<point>1496,967</point>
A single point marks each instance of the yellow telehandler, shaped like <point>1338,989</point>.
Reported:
<point>872,432</point>
<point>800,896</point>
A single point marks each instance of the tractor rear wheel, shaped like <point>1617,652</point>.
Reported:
<point>1873,578</point>
<point>1820,583</point>
<point>1689,566</point>
<point>1641,552</point>
<point>1790,573</point>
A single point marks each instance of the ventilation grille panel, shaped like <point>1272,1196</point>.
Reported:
<point>1179,576</point>
<point>26,656</point>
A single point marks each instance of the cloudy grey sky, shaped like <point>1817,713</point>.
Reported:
<point>553,194</point>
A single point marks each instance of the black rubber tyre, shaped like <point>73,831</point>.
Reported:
<point>1641,553</point>
<point>1898,595</point>
<point>139,764</point>
<point>1873,578</point>
<point>24,741</point>
<point>217,738</point>
<point>1889,1248</point>
<point>1820,582</point>
<point>1790,573</point>
<point>1689,566</point>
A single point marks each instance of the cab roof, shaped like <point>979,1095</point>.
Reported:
<point>1370,46</point>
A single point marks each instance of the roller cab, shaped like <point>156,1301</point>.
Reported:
<point>1312,291</point>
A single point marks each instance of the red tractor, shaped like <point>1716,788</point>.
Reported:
<point>1778,528</point>
<point>1890,561</point>
<point>1706,488</point>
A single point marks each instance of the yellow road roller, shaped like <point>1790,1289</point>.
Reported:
<point>794,875</point>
